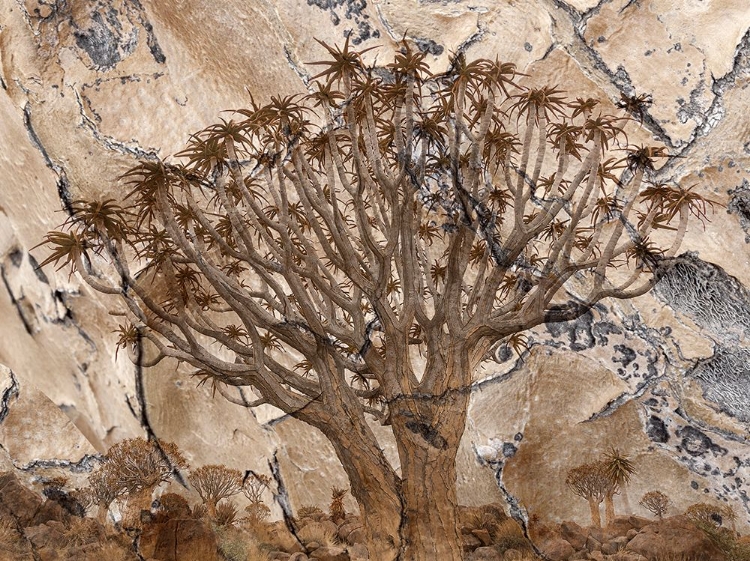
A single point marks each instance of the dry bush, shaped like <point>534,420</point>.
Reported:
<point>138,464</point>
<point>83,531</point>
<point>226,513</point>
<point>317,532</point>
<point>56,482</point>
<point>239,545</point>
<point>11,540</point>
<point>200,511</point>
<point>509,535</point>
<point>112,550</point>
<point>257,511</point>
<point>309,511</point>
<point>84,496</point>
<point>704,514</point>
<point>133,467</point>
<point>483,520</point>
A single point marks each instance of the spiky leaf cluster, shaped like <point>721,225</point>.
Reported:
<point>298,247</point>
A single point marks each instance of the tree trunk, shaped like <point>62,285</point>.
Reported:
<point>609,509</point>
<point>428,432</point>
<point>137,501</point>
<point>595,516</point>
<point>413,518</point>
<point>101,514</point>
<point>373,482</point>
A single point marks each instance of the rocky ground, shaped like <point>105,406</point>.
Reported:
<point>52,526</point>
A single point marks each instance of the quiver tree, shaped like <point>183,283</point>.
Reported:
<point>134,467</point>
<point>619,469</point>
<point>591,482</point>
<point>214,483</point>
<point>336,509</point>
<point>356,252</point>
<point>656,502</point>
<point>103,489</point>
<point>253,487</point>
<point>710,516</point>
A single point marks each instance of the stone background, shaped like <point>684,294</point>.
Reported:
<point>89,86</point>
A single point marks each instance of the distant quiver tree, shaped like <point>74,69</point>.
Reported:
<point>355,253</point>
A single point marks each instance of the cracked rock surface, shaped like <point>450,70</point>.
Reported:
<point>86,88</point>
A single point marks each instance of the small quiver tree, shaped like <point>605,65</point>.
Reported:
<point>137,466</point>
<point>253,487</point>
<point>357,252</point>
<point>336,509</point>
<point>619,469</point>
<point>656,502</point>
<point>708,516</point>
<point>591,482</point>
<point>214,483</point>
<point>104,487</point>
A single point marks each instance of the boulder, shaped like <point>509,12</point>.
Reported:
<point>469,542</point>
<point>281,538</point>
<point>51,534</point>
<point>638,522</point>
<point>574,534</point>
<point>620,526</point>
<point>557,549</point>
<point>358,552</point>
<point>330,554</point>
<point>483,536</point>
<point>592,544</point>
<point>48,511</point>
<point>672,538</point>
<point>48,554</point>
<point>484,554</point>
<point>16,500</point>
<point>351,532</point>
<point>180,540</point>
<point>627,556</point>
<point>614,545</point>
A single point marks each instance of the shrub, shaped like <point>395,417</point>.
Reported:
<point>11,540</point>
<point>231,544</point>
<point>257,512</point>
<point>309,511</point>
<point>655,502</point>
<point>704,514</point>
<point>200,511</point>
<point>226,513</point>
<point>214,483</point>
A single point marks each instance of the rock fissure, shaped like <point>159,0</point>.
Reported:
<point>109,142</point>
<point>85,465</point>
<point>17,303</point>
<point>281,497</point>
<point>10,392</point>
